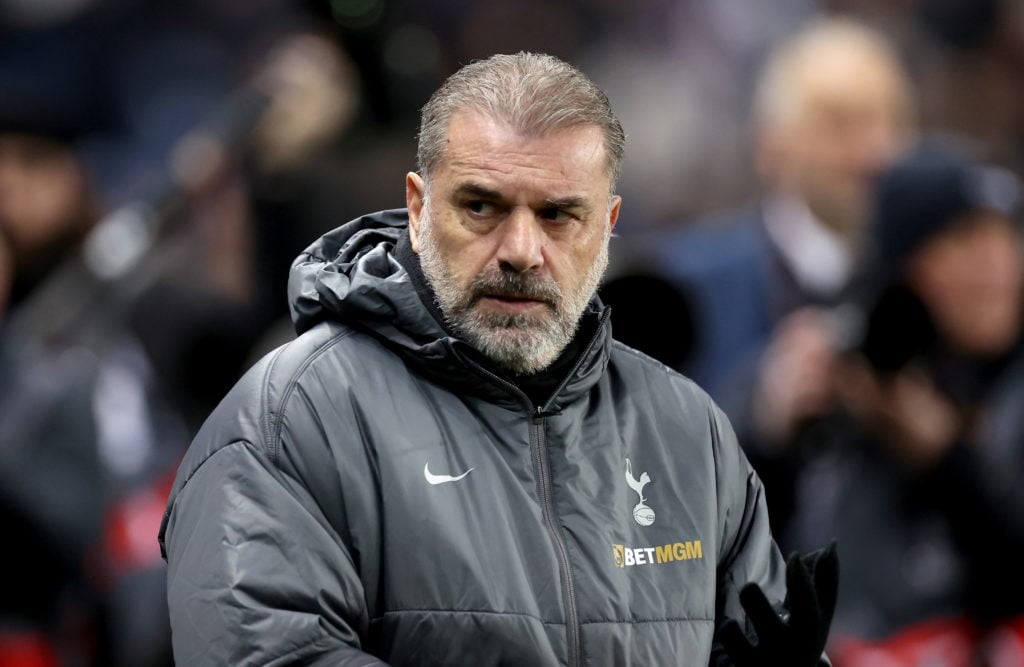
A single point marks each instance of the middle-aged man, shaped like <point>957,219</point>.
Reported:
<point>454,463</point>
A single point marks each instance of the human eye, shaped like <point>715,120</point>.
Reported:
<point>480,208</point>
<point>556,215</point>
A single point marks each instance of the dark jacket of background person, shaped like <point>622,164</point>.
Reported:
<point>917,474</point>
<point>920,544</point>
<point>739,285</point>
<point>87,448</point>
<point>301,526</point>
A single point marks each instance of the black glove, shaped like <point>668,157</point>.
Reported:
<point>797,640</point>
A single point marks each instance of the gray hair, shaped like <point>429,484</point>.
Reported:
<point>780,89</point>
<point>533,93</point>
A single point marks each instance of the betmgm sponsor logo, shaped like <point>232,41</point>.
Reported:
<point>667,553</point>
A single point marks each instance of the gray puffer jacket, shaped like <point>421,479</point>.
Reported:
<point>371,492</point>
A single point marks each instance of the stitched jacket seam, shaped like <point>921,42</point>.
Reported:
<point>209,456</point>
<point>274,417</point>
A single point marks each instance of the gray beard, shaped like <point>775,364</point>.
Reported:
<point>520,344</point>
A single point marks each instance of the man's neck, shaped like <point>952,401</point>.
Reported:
<point>410,261</point>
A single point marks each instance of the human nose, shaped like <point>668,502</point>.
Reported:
<point>522,242</point>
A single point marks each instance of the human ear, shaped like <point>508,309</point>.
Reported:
<point>415,197</point>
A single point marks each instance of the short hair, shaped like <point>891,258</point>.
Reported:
<point>534,93</point>
<point>777,94</point>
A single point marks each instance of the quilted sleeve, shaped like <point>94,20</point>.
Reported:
<point>256,575</point>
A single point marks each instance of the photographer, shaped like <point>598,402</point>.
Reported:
<point>915,474</point>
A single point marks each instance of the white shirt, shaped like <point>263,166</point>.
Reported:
<point>820,260</point>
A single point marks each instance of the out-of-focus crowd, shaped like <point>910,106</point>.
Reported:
<point>821,226</point>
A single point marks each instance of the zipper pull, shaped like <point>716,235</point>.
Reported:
<point>538,415</point>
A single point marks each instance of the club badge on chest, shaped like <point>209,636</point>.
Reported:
<point>642,514</point>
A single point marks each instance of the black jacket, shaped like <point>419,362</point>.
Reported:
<point>375,489</point>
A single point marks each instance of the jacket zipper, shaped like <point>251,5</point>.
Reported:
<point>538,451</point>
<point>540,462</point>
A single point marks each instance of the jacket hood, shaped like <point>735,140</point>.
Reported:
<point>352,275</point>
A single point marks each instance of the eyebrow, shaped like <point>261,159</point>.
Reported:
<point>477,190</point>
<point>567,203</point>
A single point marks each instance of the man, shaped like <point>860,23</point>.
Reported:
<point>831,110</point>
<point>454,463</point>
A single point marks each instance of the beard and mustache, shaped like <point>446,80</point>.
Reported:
<point>520,343</point>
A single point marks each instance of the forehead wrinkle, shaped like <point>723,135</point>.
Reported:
<point>476,190</point>
<point>530,178</point>
<point>572,201</point>
<point>482,144</point>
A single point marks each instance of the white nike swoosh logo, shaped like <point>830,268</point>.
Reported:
<point>441,479</point>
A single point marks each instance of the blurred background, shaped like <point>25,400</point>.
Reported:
<point>820,226</point>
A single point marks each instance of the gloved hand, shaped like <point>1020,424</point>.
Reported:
<point>798,639</point>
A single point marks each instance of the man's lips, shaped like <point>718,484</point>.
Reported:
<point>512,304</point>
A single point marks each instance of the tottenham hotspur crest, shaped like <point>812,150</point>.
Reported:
<point>642,514</point>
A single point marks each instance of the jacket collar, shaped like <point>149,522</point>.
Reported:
<point>365,274</point>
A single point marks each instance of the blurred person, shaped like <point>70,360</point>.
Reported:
<point>918,478</point>
<point>246,96</point>
<point>454,462</point>
<point>85,442</point>
<point>301,152</point>
<point>100,375</point>
<point>832,108</point>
